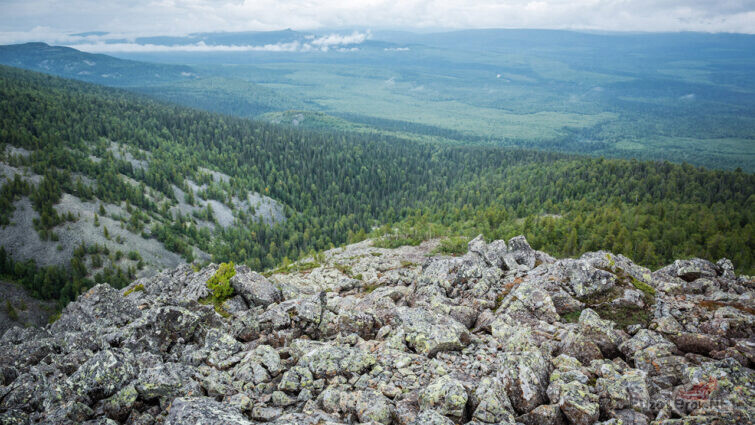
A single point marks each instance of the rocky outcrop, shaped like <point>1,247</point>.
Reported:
<point>503,334</point>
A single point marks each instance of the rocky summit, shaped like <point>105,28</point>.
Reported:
<point>503,334</point>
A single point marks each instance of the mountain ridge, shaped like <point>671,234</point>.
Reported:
<point>97,68</point>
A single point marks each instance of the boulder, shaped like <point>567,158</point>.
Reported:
<point>372,406</point>
<point>296,379</point>
<point>445,395</point>
<point>627,391</point>
<point>431,417</point>
<point>254,288</point>
<point>203,411</point>
<point>430,333</point>
<point>325,361</point>
<point>601,332</point>
<point>524,375</point>
<point>492,405</point>
<point>103,374</point>
<point>578,404</point>
<point>546,414</point>
<point>98,308</point>
<point>521,252</point>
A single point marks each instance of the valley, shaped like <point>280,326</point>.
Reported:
<point>622,95</point>
<point>103,185</point>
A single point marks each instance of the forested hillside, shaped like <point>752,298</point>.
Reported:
<point>101,69</point>
<point>154,162</point>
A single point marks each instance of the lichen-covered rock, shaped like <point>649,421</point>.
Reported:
<point>626,391</point>
<point>296,379</point>
<point>103,305</point>
<point>582,280</point>
<point>546,414</point>
<point>714,386</point>
<point>259,365</point>
<point>103,374</point>
<point>696,268</point>
<point>521,251</point>
<point>601,332</point>
<point>528,302</point>
<point>578,345</point>
<point>203,411</point>
<point>430,333</point>
<point>119,405</point>
<point>254,288</point>
<point>431,417</point>
<point>372,406</point>
<point>160,329</point>
<point>446,395</point>
<point>525,377</point>
<point>578,404</point>
<point>492,405</point>
<point>223,349</point>
<point>165,382</point>
<point>328,361</point>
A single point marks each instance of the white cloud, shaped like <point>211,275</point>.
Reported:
<point>337,39</point>
<point>50,20</point>
<point>322,43</point>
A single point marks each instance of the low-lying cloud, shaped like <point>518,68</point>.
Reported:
<point>331,40</point>
<point>337,42</point>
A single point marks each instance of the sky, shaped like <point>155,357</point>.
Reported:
<point>54,21</point>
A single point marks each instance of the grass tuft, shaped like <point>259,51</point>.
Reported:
<point>456,245</point>
<point>138,287</point>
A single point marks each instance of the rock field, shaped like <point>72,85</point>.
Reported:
<point>503,334</point>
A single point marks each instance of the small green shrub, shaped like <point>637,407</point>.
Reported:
<point>138,287</point>
<point>644,287</point>
<point>219,284</point>
<point>220,287</point>
<point>396,241</point>
<point>293,268</point>
<point>11,311</point>
<point>571,317</point>
<point>54,317</point>
<point>624,316</point>
<point>343,268</point>
<point>452,246</point>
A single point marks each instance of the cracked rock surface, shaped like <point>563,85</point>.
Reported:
<point>503,334</point>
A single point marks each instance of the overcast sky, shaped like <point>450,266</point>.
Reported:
<point>52,20</point>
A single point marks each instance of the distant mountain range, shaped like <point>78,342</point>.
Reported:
<point>95,68</point>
